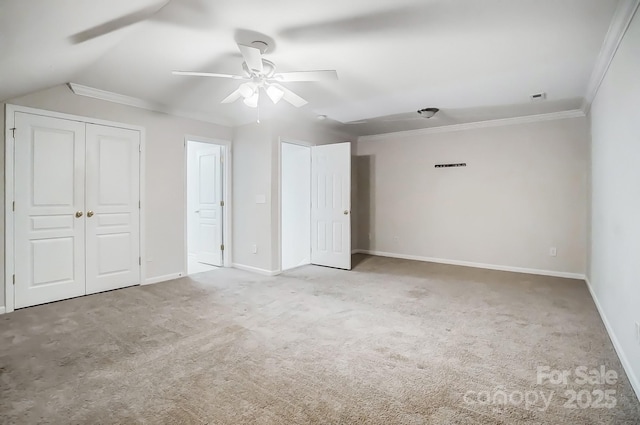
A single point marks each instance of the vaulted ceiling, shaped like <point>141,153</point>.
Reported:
<point>473,59</point>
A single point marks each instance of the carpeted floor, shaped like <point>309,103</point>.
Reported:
<point>391,342</point>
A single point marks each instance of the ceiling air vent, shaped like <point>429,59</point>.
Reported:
<point>537,97</point>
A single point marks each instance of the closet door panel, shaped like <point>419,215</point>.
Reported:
<point>49,209</point>
<point>112,208</point>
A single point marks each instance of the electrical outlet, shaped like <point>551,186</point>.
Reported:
<point>254,249</point>
<point>553,251</point>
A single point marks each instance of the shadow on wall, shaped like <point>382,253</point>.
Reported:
<point>366,201</point>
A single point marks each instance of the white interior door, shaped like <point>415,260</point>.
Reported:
<point>49,191</point>
<point>112,208</point>
<point>209,205</point>
<point>331,205</point>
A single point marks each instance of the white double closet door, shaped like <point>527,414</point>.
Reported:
<point>77,216</point>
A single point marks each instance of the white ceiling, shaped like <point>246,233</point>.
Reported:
<point>474,59</point>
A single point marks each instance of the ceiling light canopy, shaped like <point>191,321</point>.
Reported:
<point>428,112</point>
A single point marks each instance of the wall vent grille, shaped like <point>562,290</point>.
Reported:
<point>460,164</point>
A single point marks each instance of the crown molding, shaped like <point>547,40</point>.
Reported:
<point>576,113</point>
<point>122,99</point>
<point>617,29</point>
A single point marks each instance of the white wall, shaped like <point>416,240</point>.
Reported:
<point>252,158</point>
<point>523,191</point>
<point>165,172</point>
<point>614,269</point>
<point>296,205</point>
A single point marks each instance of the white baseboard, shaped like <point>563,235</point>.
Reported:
<point>257,270</point>
<point>626,364</point>
<point>164,278</point>
<point>476,265</point>
<point>2,310</point>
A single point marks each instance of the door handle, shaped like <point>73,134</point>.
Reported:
<point>346,212</point>
<point>78,214</point>
<point>89,213</point>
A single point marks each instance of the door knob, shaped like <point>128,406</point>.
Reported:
<point>89,213</point>
<point>78,214</point>
<point>346,212</point>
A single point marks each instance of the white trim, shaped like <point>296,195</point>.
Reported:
<point>576,113</point>
<point>2,310</point>
<point>552,273</point>
<point>227,214</point>
<point>257,270</point>
<point>71,117</point>
<point>9,300</point>
<point>122,99</point>
<point>10,111</point>
<point>626,364</point>
<point>143,204</point>
<point>164,278</point>
<point>619,24</point>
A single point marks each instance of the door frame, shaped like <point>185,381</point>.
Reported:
<point>227,211</point>
<point>9,185</point>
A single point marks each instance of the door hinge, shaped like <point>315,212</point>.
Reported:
<point>222,203</point>
<point>13,132</point>
<point>139,204</point>
<point>140,147</point>
<point>222,247</point>
<point>13,207</point>
<point>139,261</point>
<point>14,279</point>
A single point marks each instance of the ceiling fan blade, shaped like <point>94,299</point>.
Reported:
<point>209,74</point>
<point>252,57</point>
<point>306,76</point>
<point>291,97</point>
<point>232,97</point>
<point>118,23</point>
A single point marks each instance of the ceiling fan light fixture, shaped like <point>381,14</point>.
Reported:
<point>246,90</point>
<point>252,101</point>
<point>275,93</point>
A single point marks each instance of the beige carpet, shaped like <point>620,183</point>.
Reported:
<point>391,342</point>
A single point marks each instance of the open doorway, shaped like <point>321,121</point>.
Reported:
<point>296,205</point>
<point>205,206</point>
<point>315,210</point>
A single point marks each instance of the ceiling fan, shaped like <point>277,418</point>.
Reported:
<point>261,74</point>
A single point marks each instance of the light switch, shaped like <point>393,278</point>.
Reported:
<point>261,199</point>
